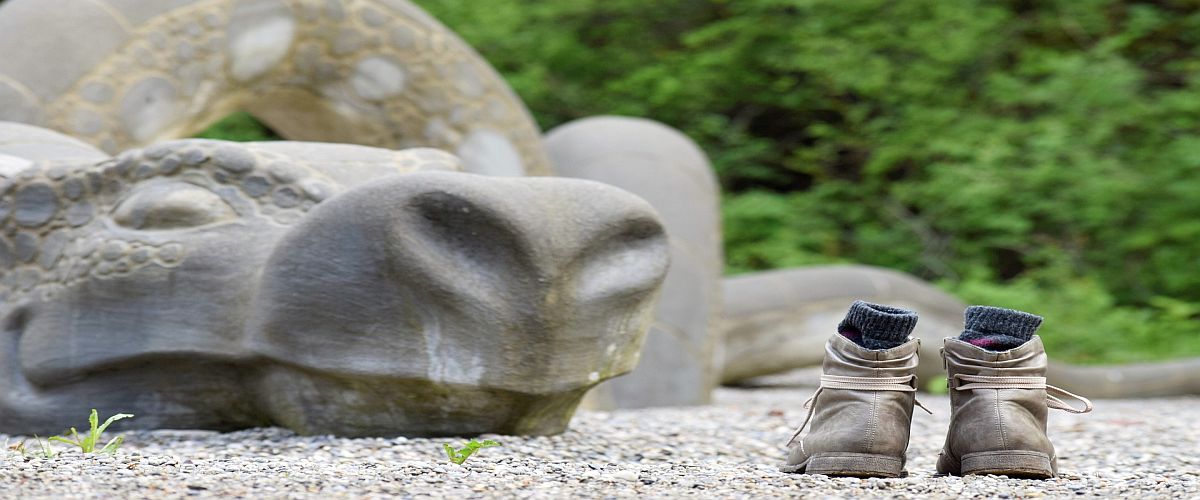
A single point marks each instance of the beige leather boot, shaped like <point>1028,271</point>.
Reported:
<point>998,404</point>
<point>860,415</point>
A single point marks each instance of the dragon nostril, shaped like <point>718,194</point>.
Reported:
<point>625,262</point>
<point>476,238</point>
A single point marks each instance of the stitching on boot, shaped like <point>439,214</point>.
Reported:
<point>874,418</point>
<point>1000,422</point>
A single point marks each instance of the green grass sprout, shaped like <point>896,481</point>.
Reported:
<point>461,455</point>
<point>87,443</point>
<point>44,447</point>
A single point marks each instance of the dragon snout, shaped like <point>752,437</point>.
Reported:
<point>530,287</point>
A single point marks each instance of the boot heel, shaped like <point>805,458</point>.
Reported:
<point>854,465</point>
<point>1012,463</point>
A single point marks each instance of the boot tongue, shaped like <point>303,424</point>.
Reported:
<point>844,357</point>
<point>1027,360</point>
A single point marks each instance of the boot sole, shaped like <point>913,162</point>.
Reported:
<point>1021,464</point>
<point>854,465</point>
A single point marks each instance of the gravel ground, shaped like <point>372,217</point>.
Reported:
<point>1142,448</point>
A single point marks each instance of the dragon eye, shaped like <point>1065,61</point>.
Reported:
<point>172,205</point>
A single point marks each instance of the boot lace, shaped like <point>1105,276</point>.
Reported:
<point>898,384</point>
<point>1054,395</point>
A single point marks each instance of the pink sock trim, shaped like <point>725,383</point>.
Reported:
<point>852,334</point>
<point>982,342</point>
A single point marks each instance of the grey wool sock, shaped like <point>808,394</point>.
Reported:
<point>998,329</point>
<point>877,327</point>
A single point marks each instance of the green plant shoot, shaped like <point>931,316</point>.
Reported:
<point>87,443</point>
<point>461,455</point>
<point>43,447</point>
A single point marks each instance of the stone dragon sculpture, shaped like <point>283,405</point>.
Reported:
<point>327,288</point>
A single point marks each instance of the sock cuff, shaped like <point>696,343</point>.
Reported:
<point>879,321</point>
<point>987,320</point>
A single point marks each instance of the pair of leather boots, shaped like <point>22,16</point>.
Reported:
<point>862,412</point>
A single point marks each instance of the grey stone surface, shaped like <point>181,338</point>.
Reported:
<point>260,32</point>
<point>18,104</point>
<point>379,294</point>
<point>43,57</point>
<point>373,72</point>
<point>149,108</point>
<point>666,168</point>
<point>487,151</point>
<point>29,143</point>
<point>136,12</point>
<point>35,204</point>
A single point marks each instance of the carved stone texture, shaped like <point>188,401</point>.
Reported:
<point>780,320</point>
<point>327,288</point>
<point>679,365</point>
<point>374,72</point>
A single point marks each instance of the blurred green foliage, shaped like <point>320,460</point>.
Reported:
<point>239,127</point>
<point>1038,155</point>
